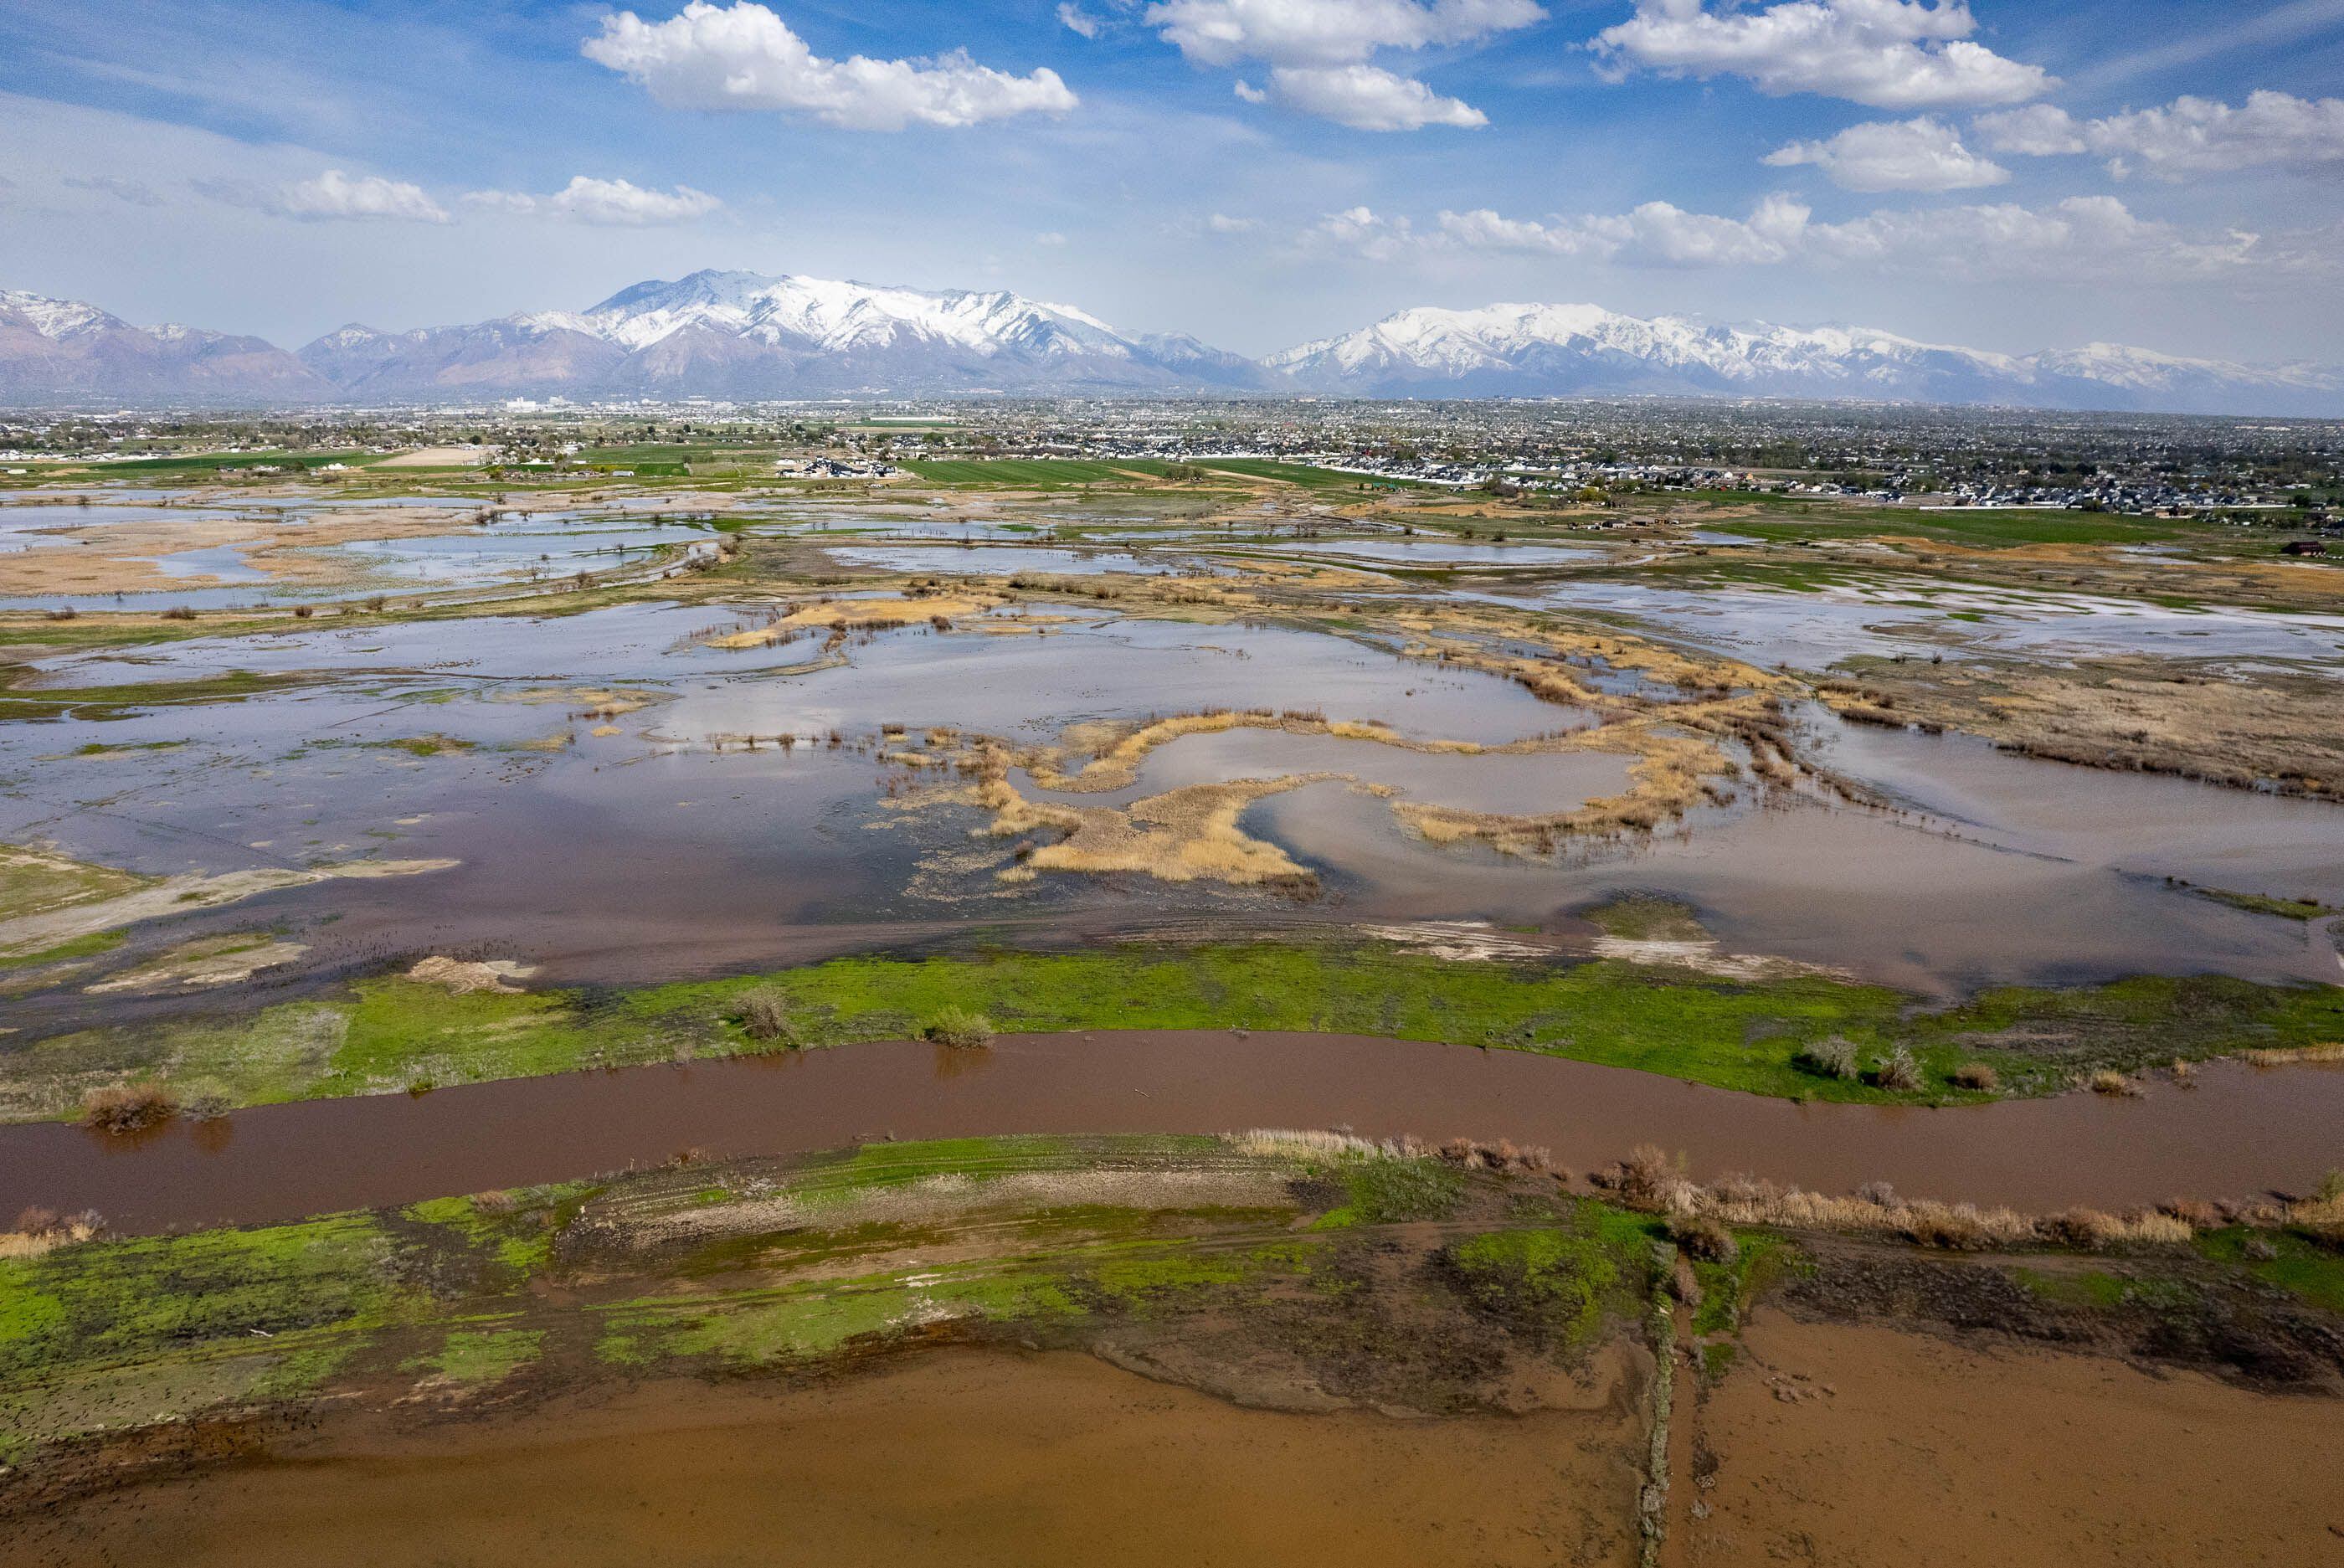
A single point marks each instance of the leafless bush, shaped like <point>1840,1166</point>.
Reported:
<point>1898,1072</point>
<point>765,1016</point>
<point>1705,1238</point>
<point>132,1107</point>
<point>1976,1075</point>
<point>1646,1174</point>
<point>2108,1081</point>
<point>1831,1058</point>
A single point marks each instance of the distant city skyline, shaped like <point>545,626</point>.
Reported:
<point>1253,172</point>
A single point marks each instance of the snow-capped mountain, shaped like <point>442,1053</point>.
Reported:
<point>61,348</point>
<point>745,334</point>
<point>1564,350</point>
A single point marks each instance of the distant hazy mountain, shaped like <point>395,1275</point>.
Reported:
<point>52,348</point>
<point>1568,350</point>
<point>745,335</point>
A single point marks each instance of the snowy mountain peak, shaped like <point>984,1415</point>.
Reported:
<point>57,318</point>
<point>829,316</point>
<point>1561,350</point>
<point>752,335</point>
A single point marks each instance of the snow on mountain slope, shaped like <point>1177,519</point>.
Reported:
<point>59,318</point>
<point>745,334</point>
<point>749,334</point>
<point>63,348</point>
<point>1556,350</point>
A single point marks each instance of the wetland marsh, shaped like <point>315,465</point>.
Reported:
<point>600,987</point>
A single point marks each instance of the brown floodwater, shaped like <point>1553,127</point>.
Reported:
<point>2241,1131</point>
<point>1865,1445</point>
<point>964,1457</point>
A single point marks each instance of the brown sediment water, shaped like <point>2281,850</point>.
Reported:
<point>2239,1132</point>
<point>1865,1445</point>
<point>959,1457</point>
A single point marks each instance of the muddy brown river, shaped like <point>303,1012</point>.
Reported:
<point>2242,1130</point>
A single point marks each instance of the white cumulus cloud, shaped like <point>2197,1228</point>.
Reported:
<point>1362,231</point>
<point>1369,98</point>
<point>1655,234</point>
<point>2187,137</point>
<point>331,195</point>
<point>1895,155</point>
<point>1327,31</point>
<point>2038,130</point>
<point>616,202</point>
<point>2081,239</point>
<point>744,56</point>
<point>1075,19</point>
<point>1888,54</point>
<point>1320,52</point>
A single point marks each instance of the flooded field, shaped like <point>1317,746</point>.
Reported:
<point>1332,1023</point>
<point>287,553</point>
<point>1925,619</point>
<point>487,742</point>
<point>1441,552</point>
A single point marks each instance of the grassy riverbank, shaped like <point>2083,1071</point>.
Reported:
<point>1764,1037</point>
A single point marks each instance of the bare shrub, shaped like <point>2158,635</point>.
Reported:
<point>765,1016</point>
<point>2294,1056</point>
<point>1976,1075</point>
<point>1315,1143</point>
<point>2108,1081</point>
<point>957,1025</point>
<point>1898,1072</point>
<point>1832,1059</point>
<point>1705,1238</point>
<point>2089,1229</point>
<point>132,1107</point>
<point>1645,1174</point>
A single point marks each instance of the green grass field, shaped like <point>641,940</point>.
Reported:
<point>1067,473</point>
<point>1788,518</point>
<point>389,1034</point>
<point>212,462</point>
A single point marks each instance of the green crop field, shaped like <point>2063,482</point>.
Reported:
<point>212,462</point>
<point>1063,473</point>
<point>1034,473</point>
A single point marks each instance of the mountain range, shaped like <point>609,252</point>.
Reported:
<point>744,334</point>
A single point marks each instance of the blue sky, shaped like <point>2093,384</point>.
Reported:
<point>2009,174</point>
